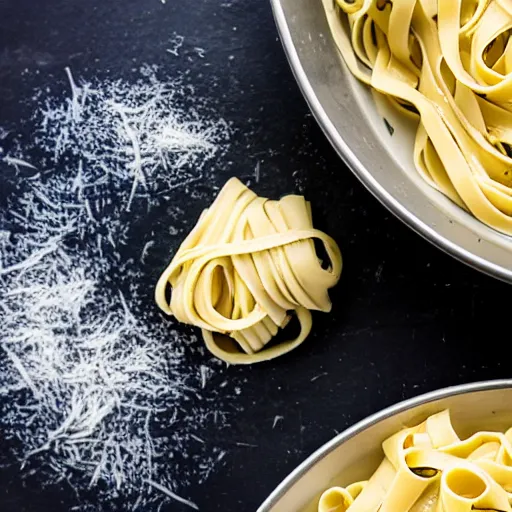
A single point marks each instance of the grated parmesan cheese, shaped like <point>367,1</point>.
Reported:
<point>95,389</point>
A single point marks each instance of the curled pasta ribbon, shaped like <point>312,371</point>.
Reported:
<point>339,499</point>
<point>428,468</point>
<point>244,267</point>
<point>447,64</point>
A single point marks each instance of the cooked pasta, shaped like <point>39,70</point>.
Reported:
<point>447,63</point>
<point>428,468</point>
<point>244,267</point>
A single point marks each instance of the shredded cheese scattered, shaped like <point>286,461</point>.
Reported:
<point>93,389</point>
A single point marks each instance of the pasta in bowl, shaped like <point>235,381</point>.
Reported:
<point>448,64</point>
<point>444,451</point>
<point>419,171</point>
<point>428,467</point>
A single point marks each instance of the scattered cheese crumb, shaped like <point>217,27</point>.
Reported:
<point>95,387</point>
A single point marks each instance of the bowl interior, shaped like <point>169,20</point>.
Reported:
<point>353,121</point>
<point>379,115</point>
<point>356,453</point>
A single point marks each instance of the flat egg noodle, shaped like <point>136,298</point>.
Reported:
<point>449,64</point>
<point>428,468</point>
<point>248,263</point>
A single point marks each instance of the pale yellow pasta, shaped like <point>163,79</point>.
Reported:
<point>335,499</point>
<point>428,468</point>
<point>449,63</point>
<point>247,264</point>
<point>339,499</point>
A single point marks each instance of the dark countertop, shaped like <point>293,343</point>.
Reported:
<point>406,319</point>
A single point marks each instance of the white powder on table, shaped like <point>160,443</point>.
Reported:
<point>94,390</point>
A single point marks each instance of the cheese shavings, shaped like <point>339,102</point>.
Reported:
<point>96,393</point>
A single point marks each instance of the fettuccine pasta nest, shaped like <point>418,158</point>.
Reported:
<point>449,64</point>
<point>428,468</point>
<point>244,268</point>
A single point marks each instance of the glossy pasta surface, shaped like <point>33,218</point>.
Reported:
<point>428,468</point>
<point>447,64</point>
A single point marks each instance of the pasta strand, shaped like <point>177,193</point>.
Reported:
<point>244,267</point>
<point>451,61</point>
<point>428,468</point>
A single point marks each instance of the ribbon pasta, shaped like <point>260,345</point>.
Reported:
<point>448,63</point>
<point>246,264</point>
<point>427,468</point>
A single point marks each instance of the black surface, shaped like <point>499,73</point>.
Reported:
<point>406,319</point>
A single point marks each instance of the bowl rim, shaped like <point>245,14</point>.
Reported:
<point>374,187</point>
<point>371,420</point>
